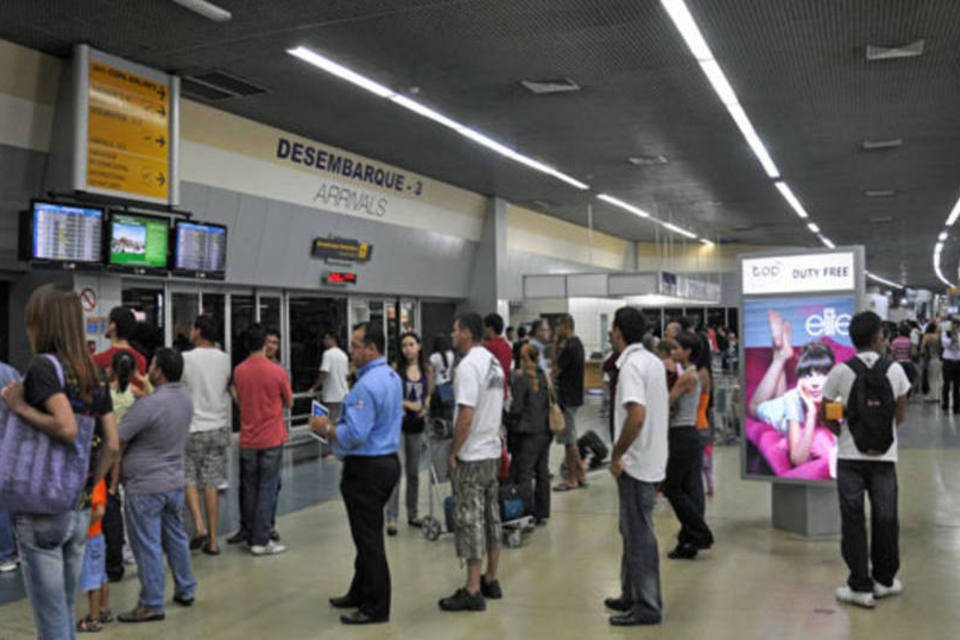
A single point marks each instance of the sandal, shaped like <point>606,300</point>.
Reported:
<point>141,614</point>
<point>563,486</point>
<point>198,541</point>
<point>106,616</point>
<point>89,625</point>
<point>210,551</point>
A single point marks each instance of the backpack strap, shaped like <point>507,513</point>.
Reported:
<point>858,366</point>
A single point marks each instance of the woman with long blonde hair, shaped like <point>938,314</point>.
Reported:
<point>529,432</point>
<point>60,382</point>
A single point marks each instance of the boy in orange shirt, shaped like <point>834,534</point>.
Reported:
<point>93,573</point>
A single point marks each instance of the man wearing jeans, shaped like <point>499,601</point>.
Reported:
<point>873,473</point>
<point>262,391</point>
<point>638,462</point>
<point>153,435</point>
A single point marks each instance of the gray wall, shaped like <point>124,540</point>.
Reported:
<point>269,246</point>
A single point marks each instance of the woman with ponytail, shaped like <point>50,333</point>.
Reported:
<point>530,431</point>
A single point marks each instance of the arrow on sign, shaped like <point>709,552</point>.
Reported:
<point>162,92</point>
<point>161,180</point>
<point>161,141</point>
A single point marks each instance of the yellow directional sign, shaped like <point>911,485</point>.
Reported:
<point>128,133</point>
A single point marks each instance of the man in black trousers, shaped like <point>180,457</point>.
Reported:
<point>366,439</point>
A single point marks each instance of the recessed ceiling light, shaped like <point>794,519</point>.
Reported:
<point>879,193</point>
<point>647,161</point>
<point>911,50</point>
<point>546,87</point>
<point>879,145</point>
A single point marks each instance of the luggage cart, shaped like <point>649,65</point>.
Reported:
<point>727,409</point>
<point>439,441</point>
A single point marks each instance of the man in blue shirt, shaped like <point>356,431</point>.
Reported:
<point>8,543</point>
<point>366,439</point>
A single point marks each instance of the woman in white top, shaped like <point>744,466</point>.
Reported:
<point>442,363</point>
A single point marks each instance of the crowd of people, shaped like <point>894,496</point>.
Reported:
<point>154,428</point>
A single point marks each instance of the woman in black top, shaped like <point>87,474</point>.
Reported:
<point>417,380</point>
<point>51,546</point>
<point>529,432</point>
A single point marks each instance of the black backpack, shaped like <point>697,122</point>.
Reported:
<point>871,407</point>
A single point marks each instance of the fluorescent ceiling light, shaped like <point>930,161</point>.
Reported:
<point>706,242</point>
<point>877,145</point>
<point>688,28</point>
<point>889,283</point>
<point>334,68</point>
<point>813,227</point>
<point>937,250</point>
<point>954,214</point>
<point>206,9</point>
<point>681,231</point>
<point>746,128</point>
<point>827,242</point>
<point>340,71</point>
<point>791,199</point>
<point>660,300</point>
<point>623,205</point>
<point>942,237</point>
<point>719,81</point>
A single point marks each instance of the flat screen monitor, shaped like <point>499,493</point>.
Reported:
<point>199,249</point>
<point>69,234</point>
<point>138,243</point>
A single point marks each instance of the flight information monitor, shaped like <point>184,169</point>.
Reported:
<point>200,249</point>
<point>138,242</point>
<point>66,233</point>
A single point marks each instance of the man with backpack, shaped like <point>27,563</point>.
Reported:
<point>865,400</point>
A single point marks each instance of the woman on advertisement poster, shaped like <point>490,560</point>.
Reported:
<point>784,426</point>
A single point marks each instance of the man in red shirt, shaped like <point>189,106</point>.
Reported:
<point>498,346</point>
<point>120,328</point>
<point>262,389</point>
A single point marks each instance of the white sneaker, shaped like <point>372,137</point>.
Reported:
<point>269,549</point>
<point>880,591</point>
<point>8,566</point>
<point>848,595</point>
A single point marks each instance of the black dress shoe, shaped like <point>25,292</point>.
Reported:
<point>238,537</point>
<point>183,602</point>
<point>344,602</point>
<point>683,552</point>
<point>632,620</point>
<point>618,604</point>
<point>359,617</point>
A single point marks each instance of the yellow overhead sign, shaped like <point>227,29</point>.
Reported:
<point>128,133</point>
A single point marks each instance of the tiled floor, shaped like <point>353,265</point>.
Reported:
<point>757,582</point>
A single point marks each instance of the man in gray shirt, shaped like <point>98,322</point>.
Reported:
<point>153,435</point>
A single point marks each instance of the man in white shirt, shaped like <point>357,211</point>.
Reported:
<point>332,378</point>
<point>474,465</point>
<point>951,366</point>
<point>206,374</point>
<point>873,473</point>
<point>638,462</point>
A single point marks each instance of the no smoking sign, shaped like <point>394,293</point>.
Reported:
<point>88,299</point>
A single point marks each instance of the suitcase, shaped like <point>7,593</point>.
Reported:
<point>515,502</point>
<point>590,444</point>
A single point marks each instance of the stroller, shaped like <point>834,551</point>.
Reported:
<point>439,442</point>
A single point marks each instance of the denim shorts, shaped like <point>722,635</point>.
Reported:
<point>93,572</point>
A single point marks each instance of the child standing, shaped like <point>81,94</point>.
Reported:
<point>93,573</point>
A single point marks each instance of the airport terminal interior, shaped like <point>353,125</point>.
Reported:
<point>755,191</point>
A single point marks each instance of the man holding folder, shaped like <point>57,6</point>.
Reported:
<point>366,439</point>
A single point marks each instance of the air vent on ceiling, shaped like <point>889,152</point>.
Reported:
<point>217,85</point>
<point>544,87</point>
<point>198,90</point>
<point>879,193</point>
<point>879,145</point>
<point>881,220</point>
<point>647,161</point>
<point>912,50</point>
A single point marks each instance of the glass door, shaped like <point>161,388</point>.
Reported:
<point>184,308</point>
<point>310,317</point>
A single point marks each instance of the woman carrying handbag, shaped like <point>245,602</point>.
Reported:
<point>59,420</point>
<point>530,432</point>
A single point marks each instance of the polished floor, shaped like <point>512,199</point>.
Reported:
<point>757,582</point>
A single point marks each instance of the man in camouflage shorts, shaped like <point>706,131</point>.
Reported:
<point>474,463</point>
